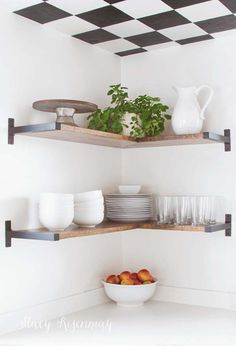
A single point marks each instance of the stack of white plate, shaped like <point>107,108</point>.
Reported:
<point>129,207</point>
<point>89,208</point>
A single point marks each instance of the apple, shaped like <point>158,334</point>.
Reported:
<point>144,275</point>
<point>127,281</point>
<point>147,282</point>
<point>137,282</point>
<point>134,276</point>
<point>124,275</point>
<point>113,279</point>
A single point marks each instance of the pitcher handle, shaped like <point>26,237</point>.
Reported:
<point>208,100</point>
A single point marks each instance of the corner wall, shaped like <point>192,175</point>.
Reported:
<point>191,267</point>
<point>44,278</point>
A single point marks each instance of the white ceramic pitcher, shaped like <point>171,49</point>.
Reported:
<point>187,117</point>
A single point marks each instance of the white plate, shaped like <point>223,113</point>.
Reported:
<point>125,216</point>
<point>126,210</point>
<point>127,220</point>
<point>128,201</point>
<point>129,214</point>
<point>131,204</point>
<point>127,195</point>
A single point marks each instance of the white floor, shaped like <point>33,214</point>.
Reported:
<point>156,324</point>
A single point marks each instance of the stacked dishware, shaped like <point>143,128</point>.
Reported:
<point>56,210</point>
<point>186,210</point>
<point>129,207</point>
<point>89,208</point>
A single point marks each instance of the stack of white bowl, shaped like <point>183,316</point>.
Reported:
<point>89,208</point>
<point>56,210</point>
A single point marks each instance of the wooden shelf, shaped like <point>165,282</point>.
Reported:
<point>77,134</point>
<point>109,227</point>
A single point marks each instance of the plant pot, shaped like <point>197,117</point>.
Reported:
<point>127,121</point>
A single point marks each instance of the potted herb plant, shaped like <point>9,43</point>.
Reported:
<point>143,116</point>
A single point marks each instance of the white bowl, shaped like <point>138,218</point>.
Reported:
<point>55,209</point>
<point>88,196</point>
<point>63,198</point>
<point>92,203</point>
<point>56,218</point>
<point>129,295</point>
<point>89,210</point>
<point>129,189</point>
<point>90,220</point>
<point>89,213</point>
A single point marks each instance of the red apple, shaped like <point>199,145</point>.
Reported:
<point>113,279</point>
<point>137,282</point>
<point>124,275</point>
<point>127,281</point>
<point>134,276</point>
<point>144,275</point>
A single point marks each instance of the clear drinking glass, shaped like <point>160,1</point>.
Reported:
<point>194,210</point>
<point>205,210</point>
<point>186,210</point>
<point>176,210</point>
<point>210,208</point>
<point>165,209</point>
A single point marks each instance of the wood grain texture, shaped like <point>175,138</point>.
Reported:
<point>51,105</point>
<point>106,227</point>
<point>187,228</point>
<point>83,135</point>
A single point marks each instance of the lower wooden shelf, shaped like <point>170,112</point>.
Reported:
<point>109,227</point>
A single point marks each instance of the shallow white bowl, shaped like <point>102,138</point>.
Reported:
<point>88,220</point>
<point>91,203</point>
<point>129,295</point>
<point>129,189</point>
<point>88,196</point>
<point>89,210</point>
<point>89,213</point>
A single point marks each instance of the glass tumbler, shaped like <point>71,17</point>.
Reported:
<point>165,209</point>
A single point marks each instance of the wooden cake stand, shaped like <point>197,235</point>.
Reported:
<point>65,109</point>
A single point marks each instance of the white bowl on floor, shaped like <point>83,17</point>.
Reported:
<point>129,295</point>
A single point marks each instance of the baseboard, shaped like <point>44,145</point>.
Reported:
<point>50,310</point>
<point>207,298</point>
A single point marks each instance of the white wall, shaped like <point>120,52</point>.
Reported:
<point>186,260</point>
<point>36,63</point>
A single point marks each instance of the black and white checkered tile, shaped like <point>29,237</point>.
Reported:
<point>126,27</point>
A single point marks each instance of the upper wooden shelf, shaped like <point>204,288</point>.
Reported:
<point>109,227</point>
<point>77,134</point>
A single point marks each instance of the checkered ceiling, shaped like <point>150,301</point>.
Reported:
<point>126,27</point>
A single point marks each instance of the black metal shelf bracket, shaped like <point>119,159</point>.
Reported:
<point>226,138</point>
<point>12,129</point>
<point>227,226</point>
<point>10,234</point>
